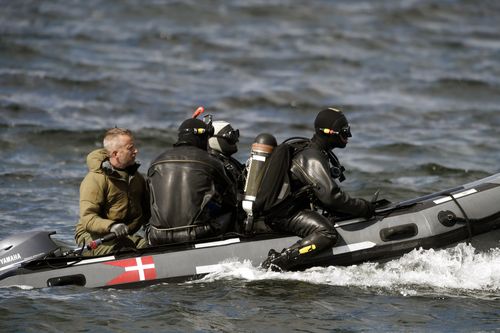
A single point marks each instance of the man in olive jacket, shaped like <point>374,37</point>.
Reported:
<point>113,195</point>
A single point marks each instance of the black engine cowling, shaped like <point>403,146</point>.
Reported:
<point>24,247</point>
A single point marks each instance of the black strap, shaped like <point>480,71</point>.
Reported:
<point>337,168</point>
<point>467,220</point>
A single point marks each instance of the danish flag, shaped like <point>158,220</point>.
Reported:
<point>136,269</point>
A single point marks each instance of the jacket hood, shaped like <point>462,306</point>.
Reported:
<point>98,161</point>
<point>96,158</point>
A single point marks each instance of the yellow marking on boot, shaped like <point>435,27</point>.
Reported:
<point>307,249</point>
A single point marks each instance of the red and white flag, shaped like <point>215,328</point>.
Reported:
<point>136,269</point>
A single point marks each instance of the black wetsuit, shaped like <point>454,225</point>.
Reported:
<point>191,196</point>
<point>311,166</point>
<point>233,167</point>
<point>235,171</point>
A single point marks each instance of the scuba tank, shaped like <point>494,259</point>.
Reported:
<point>262,148</point>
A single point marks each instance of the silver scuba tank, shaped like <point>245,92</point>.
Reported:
<point>262,148</point>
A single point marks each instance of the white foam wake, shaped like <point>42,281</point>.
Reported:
<point>459,268</point>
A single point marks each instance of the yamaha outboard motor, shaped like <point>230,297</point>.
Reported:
<point>262,148</point>
<point>24,247</point>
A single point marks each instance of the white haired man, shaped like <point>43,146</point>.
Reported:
<point>113,195</point>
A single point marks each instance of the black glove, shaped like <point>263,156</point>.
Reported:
<point>120,230</point>
<point>377,203</point>
<point>370,211</point>
<point>381,203</point>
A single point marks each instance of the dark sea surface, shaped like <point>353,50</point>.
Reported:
<point>418,80</point>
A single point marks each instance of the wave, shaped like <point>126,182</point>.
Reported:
<point>19,175</point>
<point>463,87</point>
<point>17,49</point>
<point>44,78</point>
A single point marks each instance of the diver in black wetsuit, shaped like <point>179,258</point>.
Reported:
<point>314,165</point>
<point>222,145</point>
<point>191,196</point>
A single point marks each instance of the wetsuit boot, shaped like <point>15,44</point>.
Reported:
<point>318,235</point>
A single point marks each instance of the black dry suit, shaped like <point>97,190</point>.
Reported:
<point>234,169</point>
<point>313,168</point>
<point>191,195</point>
<point>316,166</point>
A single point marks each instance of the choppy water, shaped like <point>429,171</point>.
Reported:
<point>418,80</point>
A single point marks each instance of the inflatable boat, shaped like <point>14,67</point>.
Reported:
<point>466,213</point>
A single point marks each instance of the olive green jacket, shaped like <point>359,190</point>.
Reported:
<point>110,196</point>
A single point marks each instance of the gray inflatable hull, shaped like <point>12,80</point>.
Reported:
<point>469,212</point>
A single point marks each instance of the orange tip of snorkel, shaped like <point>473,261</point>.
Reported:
<point>198,111</point>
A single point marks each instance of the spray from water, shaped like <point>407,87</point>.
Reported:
<point>454,271</point>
